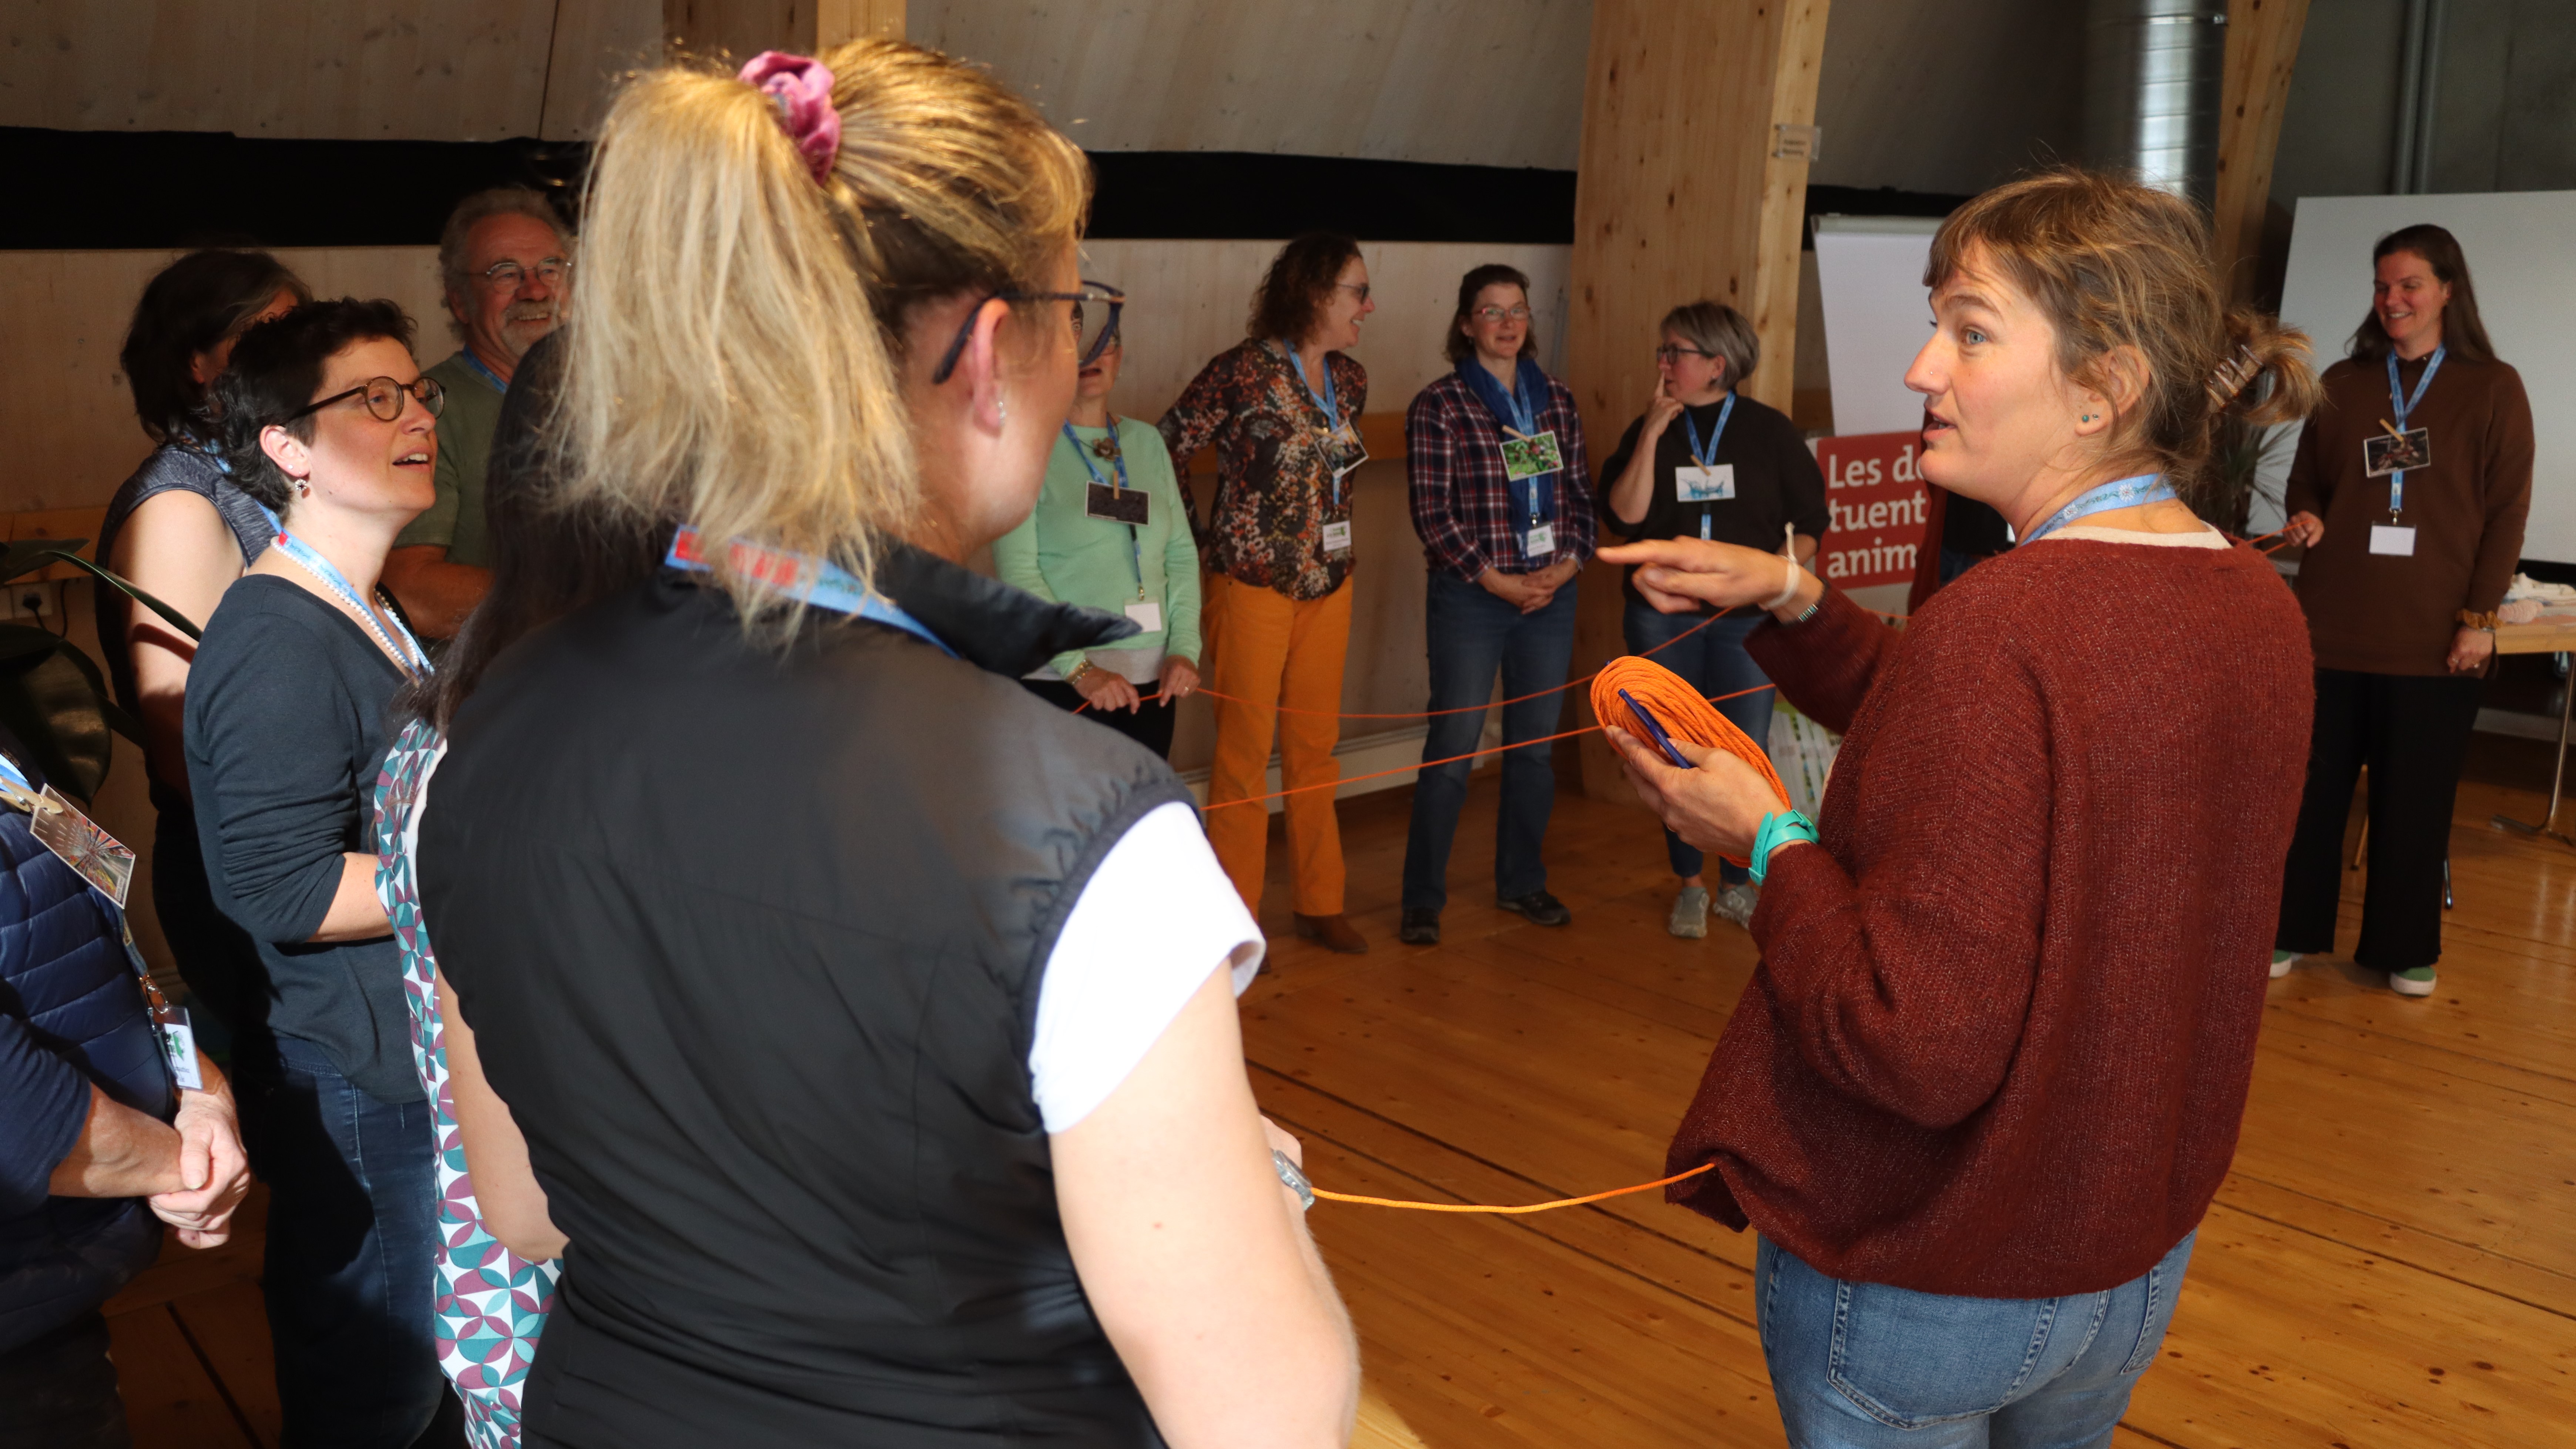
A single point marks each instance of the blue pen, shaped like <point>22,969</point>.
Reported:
<point>1655,731</point>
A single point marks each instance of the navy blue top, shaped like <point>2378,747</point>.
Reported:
<point>285,729</point>
<point>71,1014</point>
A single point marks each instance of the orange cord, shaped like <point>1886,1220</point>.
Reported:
<point>1535,1207</point>
<point>1685,716</point>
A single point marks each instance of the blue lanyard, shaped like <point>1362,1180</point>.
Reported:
<point>2121,493</point>
<point>485,373</point>
<point>816,581</point>
<point>1707,457</point>
<point>413,658</point>
<point>1118,463</point>
<point>2403,406</point>
<point>1324,399</point>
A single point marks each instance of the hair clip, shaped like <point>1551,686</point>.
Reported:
<point>801,88</point>
<point>2232,376</point>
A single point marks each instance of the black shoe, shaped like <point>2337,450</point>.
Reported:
<point>1542,909</point>
<point>1421,927</point>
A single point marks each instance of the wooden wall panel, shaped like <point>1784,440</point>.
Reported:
<point>2262,52</point>
<point>1487,82</point>
<point>1680,197</point>
<point>66,418</point>
<point>595,42</point>
<point>401,69</point>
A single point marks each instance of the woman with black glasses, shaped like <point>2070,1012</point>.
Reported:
<point>1705,461</point>
<point>330,426</point>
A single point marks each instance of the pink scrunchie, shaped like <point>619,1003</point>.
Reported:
<point>801,86</point>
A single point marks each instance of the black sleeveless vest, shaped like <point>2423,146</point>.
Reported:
<point>752,942</point>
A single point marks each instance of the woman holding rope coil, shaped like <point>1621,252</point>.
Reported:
<point>865,1024</point>
<point>1989,1073</point>
<point>1733,471</point>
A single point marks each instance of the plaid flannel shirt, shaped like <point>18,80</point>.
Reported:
<point>1462,498</point>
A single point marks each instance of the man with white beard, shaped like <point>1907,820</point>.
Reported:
<point>506,262</point>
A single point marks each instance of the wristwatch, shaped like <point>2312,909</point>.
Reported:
<point>1294,1178</point>
<point>1079,670</point>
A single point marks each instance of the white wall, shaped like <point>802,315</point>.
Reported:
<point>2516,245</point>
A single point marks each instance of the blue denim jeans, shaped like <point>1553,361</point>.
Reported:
<point>1713,662</point>
<point>1866,1366</point>
<point>352,1226</point>
<point>1471,634</point>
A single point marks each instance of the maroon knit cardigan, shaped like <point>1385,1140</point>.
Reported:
<point>2000,1037</point>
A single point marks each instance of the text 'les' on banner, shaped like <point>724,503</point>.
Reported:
<point>1874,493</point>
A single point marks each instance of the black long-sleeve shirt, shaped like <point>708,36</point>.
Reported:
<point>285,729</point>
<point>1777,482</point>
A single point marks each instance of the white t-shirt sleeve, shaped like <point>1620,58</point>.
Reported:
<point>1156,917</point>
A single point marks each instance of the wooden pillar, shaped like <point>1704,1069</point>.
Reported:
<point>2262,51</point>
<point>1696,117</point>
<point>745,28</point>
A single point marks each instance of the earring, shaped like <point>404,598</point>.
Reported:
<point>303,489</point>
<point>1002,409</point>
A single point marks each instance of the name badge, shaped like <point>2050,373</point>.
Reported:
<point>1540,541</point>
<point>1117,505</point>
<point>1531,456</point>
<point>1337,537</point>
<point>179,1048</point>
<point>2396,453</point>
<point>1704,485</point>
<point>1147,614</point>
<point>2390,539</point>
<point>92,853</point>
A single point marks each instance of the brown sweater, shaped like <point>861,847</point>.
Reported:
<point>2004,1022</point>
<point>2381,614</point>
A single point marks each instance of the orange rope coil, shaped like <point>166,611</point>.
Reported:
<point>1685,716</point>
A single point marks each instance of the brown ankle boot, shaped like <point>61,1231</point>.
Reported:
<point>1335,932</point>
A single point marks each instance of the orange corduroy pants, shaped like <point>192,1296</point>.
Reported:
<point>1264,646</point>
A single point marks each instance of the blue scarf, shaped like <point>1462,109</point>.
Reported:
<point>1518,410</point>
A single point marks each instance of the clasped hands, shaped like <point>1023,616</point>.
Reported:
<point>214,1173</point>
<point>1106,689</point>
<point>1532,591</point>
<point>1718,805</point>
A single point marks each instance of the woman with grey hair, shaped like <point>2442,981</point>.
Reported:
<point>1734,471</point>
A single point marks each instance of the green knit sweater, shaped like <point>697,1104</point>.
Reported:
<point>1063,555</point>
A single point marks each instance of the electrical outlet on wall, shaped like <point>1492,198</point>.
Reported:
<point>32,600</point>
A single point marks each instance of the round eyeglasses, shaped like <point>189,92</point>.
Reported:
<point>385,397</point>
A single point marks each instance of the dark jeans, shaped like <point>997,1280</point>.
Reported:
<point>1713,662</point>
<point>59,1392</point>
<point>2413,732</point>
<point>352,1224</point>
<point>215,957</point>
<point>1150,726</point>
<point>1470,634</point>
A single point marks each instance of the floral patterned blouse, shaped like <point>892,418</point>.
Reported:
<point>1283,500</point>
<point>491,1303</point>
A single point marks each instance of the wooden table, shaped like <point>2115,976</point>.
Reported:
<point>2552,633</point>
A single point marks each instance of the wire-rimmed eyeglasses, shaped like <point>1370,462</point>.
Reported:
<point>1491,314</point>
<point>385,397</point>
<point>511,275</point>
<point>1672,353</point>
<point>1088,342</point>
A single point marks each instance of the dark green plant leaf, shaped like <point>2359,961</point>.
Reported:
<point>28,554</point>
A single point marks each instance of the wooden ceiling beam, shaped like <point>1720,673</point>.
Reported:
<point>2262,51</point>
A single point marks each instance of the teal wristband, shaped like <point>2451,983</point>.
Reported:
<point>1778,829</point>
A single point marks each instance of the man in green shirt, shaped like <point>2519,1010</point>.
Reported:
<point>506,262</point>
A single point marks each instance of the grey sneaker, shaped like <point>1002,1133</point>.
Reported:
<point>1736,902</point>
<point>1689,919</point>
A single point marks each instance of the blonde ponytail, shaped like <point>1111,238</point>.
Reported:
<point>733,360</point>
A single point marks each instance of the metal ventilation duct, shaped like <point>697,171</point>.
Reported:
<point>2152,74</point>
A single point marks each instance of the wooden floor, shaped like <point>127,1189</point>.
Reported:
<point>2392,1262</point>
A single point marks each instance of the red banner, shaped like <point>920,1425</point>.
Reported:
<point>1875,493</point>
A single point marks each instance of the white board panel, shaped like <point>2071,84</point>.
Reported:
<point>1869,271</point>
<point>2517,247</point>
